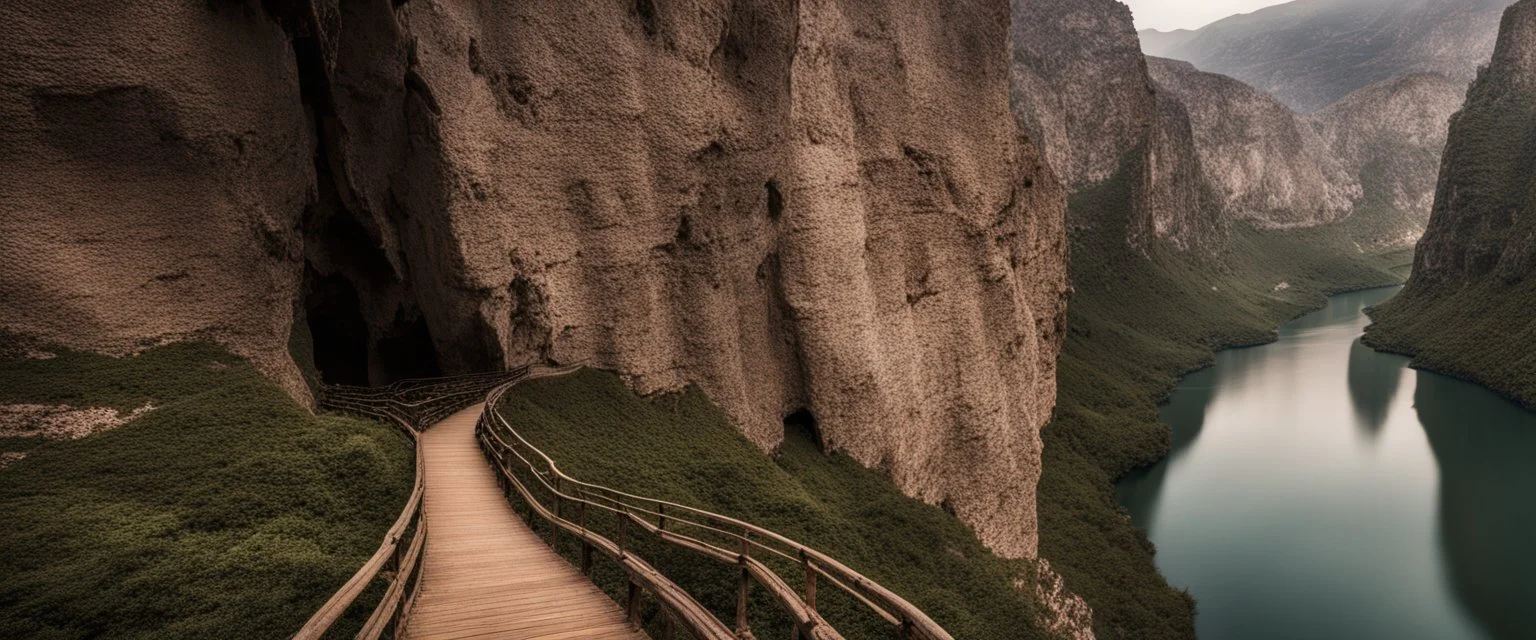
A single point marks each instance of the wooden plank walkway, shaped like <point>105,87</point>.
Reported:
<point>486,574</point>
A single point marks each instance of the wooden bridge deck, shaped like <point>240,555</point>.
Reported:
<point>485,574</point>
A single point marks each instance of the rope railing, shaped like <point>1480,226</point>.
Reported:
<point>412,405</point>
<point>523,470</point>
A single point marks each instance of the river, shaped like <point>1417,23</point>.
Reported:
<point>1319,489</point>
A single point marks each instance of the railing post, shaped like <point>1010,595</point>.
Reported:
<point>586,545</point>
<point>554,532</point>
<point>632,605</point>
<point>661,515</point>
<point>810,582</point>
<point>623,533</point>
<point>743,582</point>
<point>669,624</point>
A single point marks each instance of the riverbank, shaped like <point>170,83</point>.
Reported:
<point>1411,518</point>
<point>1472,334</point>
<point>1138,322</point>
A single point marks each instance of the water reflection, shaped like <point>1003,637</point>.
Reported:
<point>1373,382</point>
<point>1305,497</point>
<point>1484,447</point>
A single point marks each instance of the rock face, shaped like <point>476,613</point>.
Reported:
<point>1266,163</point>
<point>152,173</point>
<point>1081,89</point>
<point>1204,151</point>
<point>1390,136</point>
<point>1310,53</point>
<point>819,206</point>
<point>1477,230</point>
<point>1466,308</point>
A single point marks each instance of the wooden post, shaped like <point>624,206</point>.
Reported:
<point>632,605</point>
<point>661,516</point>
<point>586,546</point>
<point>810,582</point>
<point>743,582</point>
<point>669,625</point>
<point>623,533</point>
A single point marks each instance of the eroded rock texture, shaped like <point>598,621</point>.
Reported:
<point>154,163</point>
<point>1266,163</point>
<point>1081,89</point>
<point>1467,307</point>
<point>1390,135</point>
<point>1204,151</point>
<point>1481,228</point>
<point>1311,53</point>
<point>820,206</point>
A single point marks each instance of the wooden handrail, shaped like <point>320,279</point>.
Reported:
<point>671,521</point>
<point>412,405</point>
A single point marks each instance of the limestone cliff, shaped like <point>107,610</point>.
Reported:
<point>1203,151</point>
<point>1466,308</point>
<point>1266,163</point>
<point>819,206</point>
<point>1082,91</point>
<point>152,173</point>
<point>1311,53</point>
<point>1390,136</point>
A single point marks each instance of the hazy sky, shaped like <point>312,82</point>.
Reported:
<point>1189,14</point>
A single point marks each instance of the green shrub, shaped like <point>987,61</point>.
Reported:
<point>228,511</point>
<point>680,447</point>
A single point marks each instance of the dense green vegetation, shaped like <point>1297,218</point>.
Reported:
<point>1139,320</point>
<point>228,511</point>
<point>1471,333</point>
<point>680,447</point>
<point>1469,314</point>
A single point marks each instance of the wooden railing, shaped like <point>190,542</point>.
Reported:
<point>524,471</point>
<point>412,405</point>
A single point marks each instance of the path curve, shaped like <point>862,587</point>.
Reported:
<point>485,573</point>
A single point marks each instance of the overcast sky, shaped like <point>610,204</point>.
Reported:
<point>1189,14</point>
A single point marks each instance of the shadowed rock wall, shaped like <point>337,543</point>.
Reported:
<point>818,205</point>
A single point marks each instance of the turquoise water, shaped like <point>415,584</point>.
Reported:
<point>1318,489</point>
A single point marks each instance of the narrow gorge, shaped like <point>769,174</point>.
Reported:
<point>916,284</point>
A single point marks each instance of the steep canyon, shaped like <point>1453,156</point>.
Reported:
<point>818,207</point>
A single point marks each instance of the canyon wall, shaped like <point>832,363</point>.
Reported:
<point>1265,162</point>
<point>821,206</point>
<point>1311,53</point>
<point>153,167</point>
<point>1466,308</point>
<point>1203,151</point>
<point>1389,136</point>
<point>1082,91</point>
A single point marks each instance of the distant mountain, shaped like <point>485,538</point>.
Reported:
<point>1310,53</point>
<point>1266,163</point>
<point>1389,135</point>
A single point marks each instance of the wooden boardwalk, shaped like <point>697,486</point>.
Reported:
<point>485,574</point>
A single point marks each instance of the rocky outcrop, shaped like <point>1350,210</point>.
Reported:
<point>1477,230</point>
<point>818,206</point>
<point>1390,136</point>
<point>1081,90</point>
<point>153,169</point>
<point>1266,163</point>
<point>1466,308</point>
<point>1310,53</point>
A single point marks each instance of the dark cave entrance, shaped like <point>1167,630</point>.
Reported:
<point>802,424</point>
<point>405,350</point>
<point>336,328</point>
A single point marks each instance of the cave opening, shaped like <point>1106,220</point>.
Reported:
<point>405,350</point>
<point>802,424</point>
<point>336,327</point>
